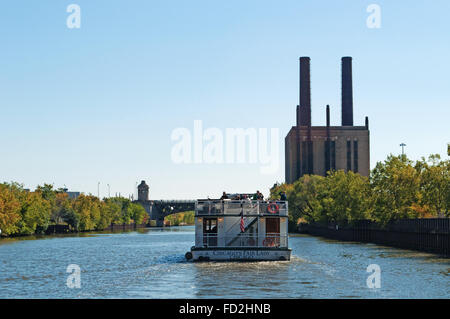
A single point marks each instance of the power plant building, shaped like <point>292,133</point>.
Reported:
<point>319,149</point>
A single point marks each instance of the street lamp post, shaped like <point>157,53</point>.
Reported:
<point>403,148</point>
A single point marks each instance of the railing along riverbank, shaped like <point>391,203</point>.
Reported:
<point>65,229</point>
<point>427,234</point>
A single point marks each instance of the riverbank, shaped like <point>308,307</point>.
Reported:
<point>429,235</point>
<point>66,229</point>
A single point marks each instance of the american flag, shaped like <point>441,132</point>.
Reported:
<point>242,222</point>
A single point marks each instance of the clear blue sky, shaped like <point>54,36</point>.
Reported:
<point>99,103</point>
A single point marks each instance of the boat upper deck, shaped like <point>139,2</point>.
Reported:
<point>247,207</point>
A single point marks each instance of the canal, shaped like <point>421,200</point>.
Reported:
<point>150,263</point>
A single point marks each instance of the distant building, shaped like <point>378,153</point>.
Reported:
<point>143,198</point>
<point>143,192</point>
<point>319,149</point>
<point>71,195</point>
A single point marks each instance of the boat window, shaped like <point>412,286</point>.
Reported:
<point>272,225</point>
<point>210,225</point>
<point>210,232</point>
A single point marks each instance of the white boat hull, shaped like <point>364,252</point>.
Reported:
<point>244,254</point>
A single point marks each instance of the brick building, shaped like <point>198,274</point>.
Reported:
<point>319,149</point>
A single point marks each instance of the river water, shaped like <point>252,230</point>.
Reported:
<point>150,263</point>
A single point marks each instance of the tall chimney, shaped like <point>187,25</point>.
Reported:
<point>305,92</point>
<point>327,144</point>
<point>347,92</point>
<point>328,116</point>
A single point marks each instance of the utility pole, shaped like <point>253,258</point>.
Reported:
<point>109,191</point>
<point>98,190</point>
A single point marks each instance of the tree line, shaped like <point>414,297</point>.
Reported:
<point>186,218</point>
<point>397,188</point>
<point>25,213</point>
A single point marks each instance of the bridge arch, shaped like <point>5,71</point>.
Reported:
<point>159,209</point>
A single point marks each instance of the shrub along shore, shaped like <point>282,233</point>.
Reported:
<point>26,213</point>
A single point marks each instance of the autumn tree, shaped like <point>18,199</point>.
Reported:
<point>9,211</point>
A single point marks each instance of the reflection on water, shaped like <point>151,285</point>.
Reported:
<point>240,279</point>
<point>149,263</point>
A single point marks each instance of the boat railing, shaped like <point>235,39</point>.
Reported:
<point>235,207</point>
<point>244,241</point>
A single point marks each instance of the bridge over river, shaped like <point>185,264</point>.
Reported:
<point>159,209</point>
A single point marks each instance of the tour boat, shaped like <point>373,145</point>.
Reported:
<point>249,230</point>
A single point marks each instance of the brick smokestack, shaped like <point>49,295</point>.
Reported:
<point>328,144</point>
<point>347,92</point>
<point>328,116</point>
<point>305,92</point>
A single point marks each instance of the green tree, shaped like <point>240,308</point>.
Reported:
<point>70,216</point>
<point>347,198</point>
<point>137,213</point>
<point>435,184</point>
<point>95,212</point>
<point>187,218</point>
<point>36,213</point>
<point>82,207</point>
<point>125,213</point>
<point>48,193</point>
<point>60,204</point>
<point>305,200</point>
<point>275,191</point>
<point>114,210</point>
<point>396,189</point>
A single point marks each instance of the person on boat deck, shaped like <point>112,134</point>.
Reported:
<point>258,196</point>
<point>224,196</point>
<point>248,200</point>
<point>283,196</point>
